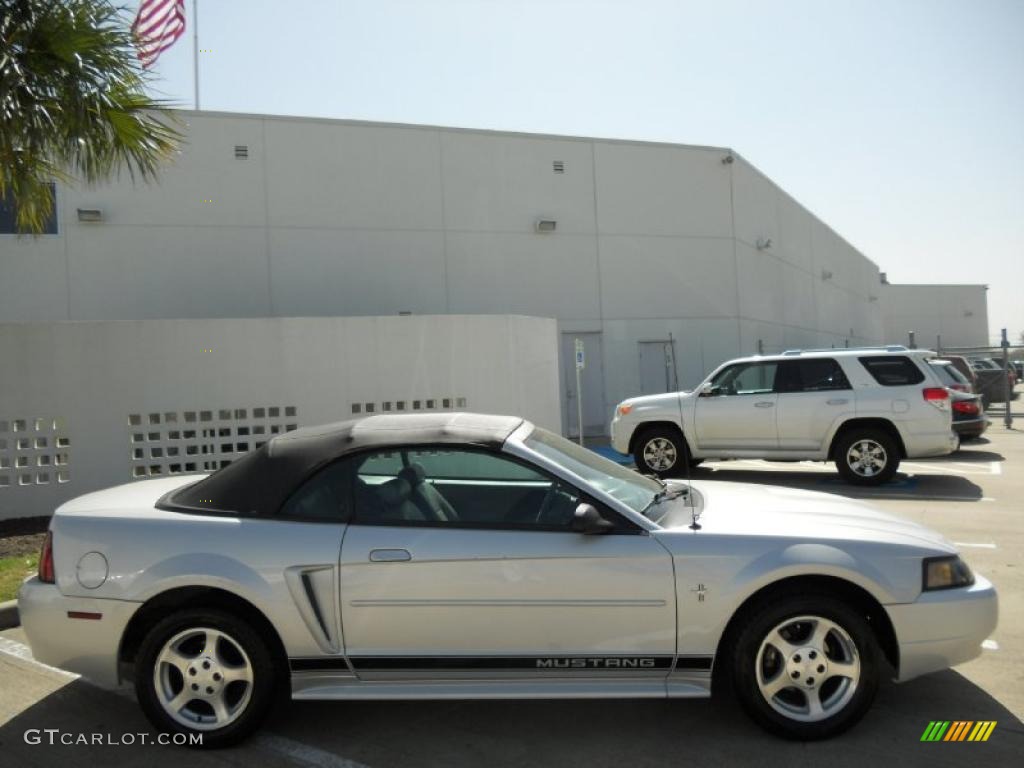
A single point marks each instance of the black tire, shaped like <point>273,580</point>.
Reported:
<point>850,701</point>
<point>262,688</point>
<point>661,451</point>
<point>879,446</point>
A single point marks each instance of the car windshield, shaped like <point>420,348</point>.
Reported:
<point>632,489</point>
<point>948,373</point>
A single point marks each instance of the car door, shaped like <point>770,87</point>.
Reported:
<point>813,394</point>
<point>738,412</point>
<point>460,563</point>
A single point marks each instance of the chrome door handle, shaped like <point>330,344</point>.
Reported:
<point>838,401</point>
<point>764,404</point>
<point>389,555</point>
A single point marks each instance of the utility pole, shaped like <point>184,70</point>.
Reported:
<point>1007,391</point>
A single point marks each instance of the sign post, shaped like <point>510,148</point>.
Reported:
<point>581,363</point>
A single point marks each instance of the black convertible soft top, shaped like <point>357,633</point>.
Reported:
<point>257,484</point>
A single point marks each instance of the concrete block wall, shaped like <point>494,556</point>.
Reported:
<point>92,404</point>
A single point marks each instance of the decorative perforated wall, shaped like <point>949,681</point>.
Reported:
<point>177,442</point>
<point>33,451</point>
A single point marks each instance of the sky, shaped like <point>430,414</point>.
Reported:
<point>900,123</point>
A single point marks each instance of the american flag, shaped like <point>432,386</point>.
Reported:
<point>159,24</point>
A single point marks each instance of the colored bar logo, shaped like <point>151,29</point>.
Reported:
<point>958,730</point>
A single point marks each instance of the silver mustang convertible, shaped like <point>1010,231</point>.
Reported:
<point>470,556</point>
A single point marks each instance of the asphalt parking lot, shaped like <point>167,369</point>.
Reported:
<point>975,497</point>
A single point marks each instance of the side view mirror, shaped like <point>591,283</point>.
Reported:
<point>708,390</point>
<point>587,520</point>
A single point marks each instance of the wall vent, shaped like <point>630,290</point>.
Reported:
<point>241,151</point>
<point>558,166</point>
<point>426,404</point>
<point>215,445</point>
<point>29,445</point>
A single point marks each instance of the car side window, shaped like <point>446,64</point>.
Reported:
<point>893,371</point>
<point>460,488</point>
<point>745,379</point>
<point>324,497</point>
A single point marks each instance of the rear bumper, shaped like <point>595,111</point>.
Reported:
<point>88,647</point>
<point>943,628</point>
<point>921,444</point>
<point>970,427</point>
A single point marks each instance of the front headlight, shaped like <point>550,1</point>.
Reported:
<point>946,573</point>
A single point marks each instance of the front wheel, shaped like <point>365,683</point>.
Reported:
<point>806,667</point>
<point>866,457</point>
<point>206,674</point>
<point>661,451</point>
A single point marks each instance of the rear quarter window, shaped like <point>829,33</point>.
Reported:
<point>893,371</point>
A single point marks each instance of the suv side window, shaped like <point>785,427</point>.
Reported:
<point>893,371</point>
<point>811,375</point>
<point>458,488</point>
<point>745,379</point>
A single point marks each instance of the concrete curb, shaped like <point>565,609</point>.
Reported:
<point>9,614</point>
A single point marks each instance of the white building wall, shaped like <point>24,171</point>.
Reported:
<point>955,314</point>
<point>329,218</point>
<point>87,405</point>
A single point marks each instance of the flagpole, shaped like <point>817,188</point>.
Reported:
<point>195,48</point>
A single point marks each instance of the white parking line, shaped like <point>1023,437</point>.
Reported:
<point>303,753</point>
<point>23,652</point>
<point>295,751</point>
<point>990,645</point>
<point>974,545</point>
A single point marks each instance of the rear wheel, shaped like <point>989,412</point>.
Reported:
<point>806,667</point>
<point>205,673</point>
<point>866,456</point>
<point>661,451</point>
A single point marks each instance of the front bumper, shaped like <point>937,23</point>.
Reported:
<point>621,432</point>
<point>88,647</point>
<point>943,628</point>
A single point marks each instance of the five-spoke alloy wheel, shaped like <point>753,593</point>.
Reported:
<point>806,666</point>
<point>204,672</point>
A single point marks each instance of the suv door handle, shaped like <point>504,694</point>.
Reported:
<point>389,555</point>
<point>764,404</point>
<point>838,401</point>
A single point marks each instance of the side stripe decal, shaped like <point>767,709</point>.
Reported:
<point>539,663</point>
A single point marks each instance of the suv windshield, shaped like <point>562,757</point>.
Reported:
<point>632,489</point>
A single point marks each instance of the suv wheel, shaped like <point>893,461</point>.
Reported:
<point>866,456</point>
<point>661,451</point>
<point>806,667</point>
<point>205,673</point>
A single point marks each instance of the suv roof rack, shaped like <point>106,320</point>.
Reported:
<point>889,348</point>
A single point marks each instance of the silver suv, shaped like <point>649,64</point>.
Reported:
<point>864,409</point>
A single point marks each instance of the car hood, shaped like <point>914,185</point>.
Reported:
<point>767,510</point>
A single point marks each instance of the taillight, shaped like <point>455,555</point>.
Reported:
<point>46,572</point>
<point>937,396</point>
<point>965,406</point>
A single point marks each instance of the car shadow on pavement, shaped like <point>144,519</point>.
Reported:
<point>970,453</point>
<point>649,733</point>
<point>924,487</point>
<point>505,733</point>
